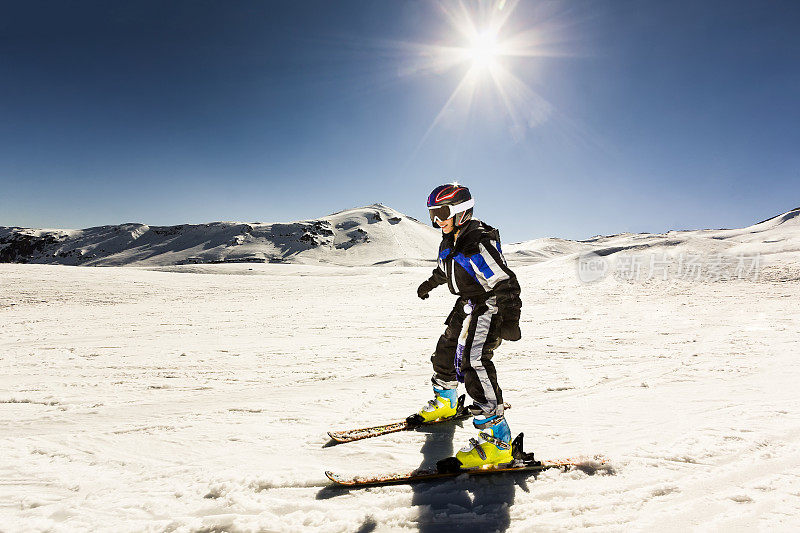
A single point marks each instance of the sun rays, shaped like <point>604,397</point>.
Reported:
<point>482,44</point>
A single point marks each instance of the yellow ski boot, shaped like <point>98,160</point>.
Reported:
<point>444,405</point>
<point>491,448</point>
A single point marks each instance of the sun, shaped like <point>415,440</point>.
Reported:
<point>479,37</point>
<point>483,50</point>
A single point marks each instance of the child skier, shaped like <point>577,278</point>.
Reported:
<point>487,310</point>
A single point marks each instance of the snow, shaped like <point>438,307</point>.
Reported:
<point>197,397</point>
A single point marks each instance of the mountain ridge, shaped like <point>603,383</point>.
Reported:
<point>338,238</point>
<point>360,236</point>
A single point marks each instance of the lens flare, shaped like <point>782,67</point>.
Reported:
<point>484,44</point>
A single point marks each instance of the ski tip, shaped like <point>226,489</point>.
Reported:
<point>335,439</point>
<point>339,438</point>
<point>339,480</point>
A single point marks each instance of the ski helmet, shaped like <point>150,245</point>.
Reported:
<point>447,201</point>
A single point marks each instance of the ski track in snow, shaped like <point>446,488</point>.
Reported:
<point>139,400</point>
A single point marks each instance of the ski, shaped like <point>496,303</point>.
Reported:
<point>412,422</point>
<point>448,468</point>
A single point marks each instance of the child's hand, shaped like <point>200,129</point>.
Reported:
<point>424,289</point>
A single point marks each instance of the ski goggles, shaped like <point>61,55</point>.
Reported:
<point>443,212</point>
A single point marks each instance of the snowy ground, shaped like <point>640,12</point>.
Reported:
<point>198,400</point>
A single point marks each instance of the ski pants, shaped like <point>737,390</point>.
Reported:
<point>464,353</point>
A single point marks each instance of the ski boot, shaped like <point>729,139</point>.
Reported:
<point>443,405</point>
<point>491,448</point>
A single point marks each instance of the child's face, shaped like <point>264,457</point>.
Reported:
<point>447,225</point>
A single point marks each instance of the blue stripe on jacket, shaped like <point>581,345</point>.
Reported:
<point>480,262</point>
<point>462,260</point>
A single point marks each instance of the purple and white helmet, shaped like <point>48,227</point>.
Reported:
<point>450,201</point>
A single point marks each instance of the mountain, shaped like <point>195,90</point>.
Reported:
<point>369,235</point>
<point>372,235</point>
<point>774,236</point>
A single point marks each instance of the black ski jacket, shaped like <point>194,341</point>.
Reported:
<point>473,267</point>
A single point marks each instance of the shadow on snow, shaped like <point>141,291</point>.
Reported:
<point>468,504</point>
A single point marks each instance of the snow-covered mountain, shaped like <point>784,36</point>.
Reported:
<point>775,236</point>
<point>369,235</point>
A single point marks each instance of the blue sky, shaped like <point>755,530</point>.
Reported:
<point>658,115</point>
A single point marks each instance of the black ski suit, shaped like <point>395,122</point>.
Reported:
<point>474,268</point>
